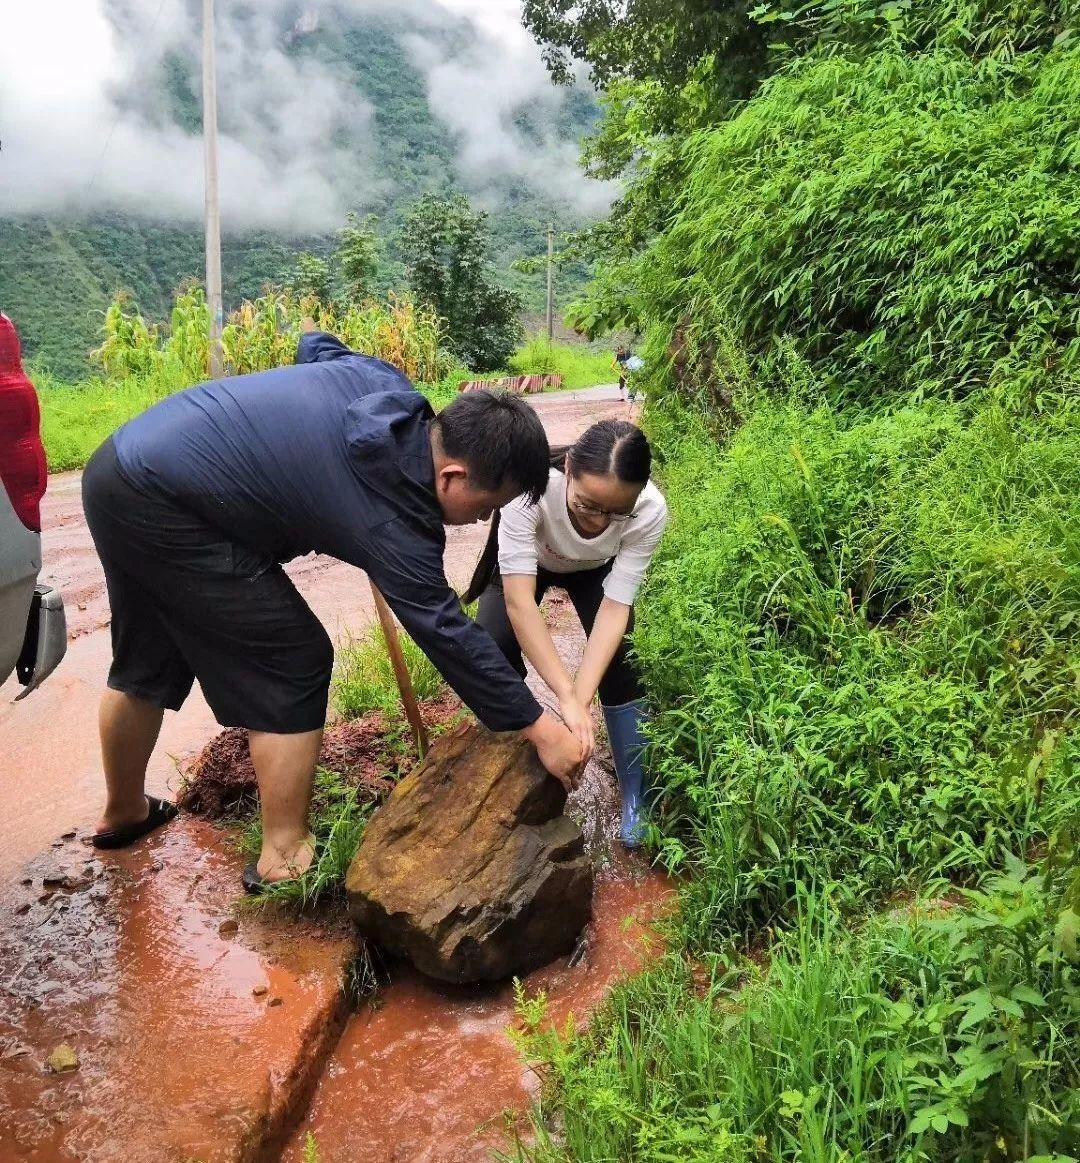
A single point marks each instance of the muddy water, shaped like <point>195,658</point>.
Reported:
<point>430,1075</point>
<point>192,1025</point>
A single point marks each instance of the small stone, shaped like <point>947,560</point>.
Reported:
<point>63,1059</point>
<point>69,835</point>
<point>26,882</point>
<point>229,927</point>
<point>45,896</point>
<point>23,909</point>
<point>259,990</point>
<point>275,1001</point>
<point>52,880</point>
<point>157,866</point>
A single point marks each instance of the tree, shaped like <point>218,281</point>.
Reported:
<point>658,41</point>
<point>358,257</point>
<point>445,245</point>
<point>311,276</point>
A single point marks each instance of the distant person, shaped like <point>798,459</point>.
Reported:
<point>194,505</point>
<point>627,363</point>
<point>593,534</point>
<point>622,354</point>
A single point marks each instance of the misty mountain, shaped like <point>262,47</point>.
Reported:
<point>323,108</point>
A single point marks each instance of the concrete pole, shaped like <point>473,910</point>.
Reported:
<point>550,267</point>
<point>213,215</point>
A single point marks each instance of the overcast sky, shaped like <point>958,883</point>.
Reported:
<point>65,144</point>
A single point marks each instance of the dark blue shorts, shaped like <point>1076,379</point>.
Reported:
<point>189,603</point>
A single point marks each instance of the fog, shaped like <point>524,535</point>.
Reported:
<point>84,124</point>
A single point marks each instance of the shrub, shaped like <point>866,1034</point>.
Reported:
<point>909,223</point>
<point>940,1034</point>
<point>861,635</point>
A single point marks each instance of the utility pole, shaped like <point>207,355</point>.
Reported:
<point>213,213</point>
<point>550,266</point>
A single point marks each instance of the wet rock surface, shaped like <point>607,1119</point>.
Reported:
<point>471,870</point>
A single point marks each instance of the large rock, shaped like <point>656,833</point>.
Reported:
<point>470,869</point>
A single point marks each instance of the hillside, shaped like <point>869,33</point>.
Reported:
<point>57,273</point>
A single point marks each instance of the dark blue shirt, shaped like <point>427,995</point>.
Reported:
<point>331,455</point>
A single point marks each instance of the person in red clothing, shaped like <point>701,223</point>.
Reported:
<point>22,457</point>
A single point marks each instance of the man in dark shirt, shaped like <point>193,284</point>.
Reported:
<point>194,505</point>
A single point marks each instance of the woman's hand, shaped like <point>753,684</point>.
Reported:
<point>577,716</point>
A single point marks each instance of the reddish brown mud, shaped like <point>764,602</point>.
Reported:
<point>196,1028</point>
<point>429,1074</point>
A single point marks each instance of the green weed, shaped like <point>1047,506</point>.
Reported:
<point>340,811</point>
<point>364,676</point>
<point>862,639</point>
<point>932,1034</point>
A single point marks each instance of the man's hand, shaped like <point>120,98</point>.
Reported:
<point>575,714</point>
<point>558,748</point>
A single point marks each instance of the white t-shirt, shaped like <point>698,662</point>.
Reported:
<point>543,535</point>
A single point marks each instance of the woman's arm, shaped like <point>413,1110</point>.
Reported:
<point>608,631</point>
<point>620,589</point>
<point>532,633</point>
<point>535,640</point>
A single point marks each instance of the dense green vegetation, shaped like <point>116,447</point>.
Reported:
<point>938,1034</point>
<point>58,274</point>
<point>143,363</point>
<point>858,286</point>
<point>580,365</point>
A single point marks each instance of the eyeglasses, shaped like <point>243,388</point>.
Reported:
<point>588,509</point>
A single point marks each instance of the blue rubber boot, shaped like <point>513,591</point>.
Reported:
<point>624,728</point>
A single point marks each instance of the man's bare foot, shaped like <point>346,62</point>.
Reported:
<point>289,864</point>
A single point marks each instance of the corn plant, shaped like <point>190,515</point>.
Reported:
<point>262,333</point>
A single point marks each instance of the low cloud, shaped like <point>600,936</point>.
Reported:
<point>85,123</point>
<point>480,91</point>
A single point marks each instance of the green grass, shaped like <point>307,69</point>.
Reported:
<point>940,1034</point>
<point>580,365</point>
<point>364,677</point>
<point>339,813</point>
<point>76,418</point>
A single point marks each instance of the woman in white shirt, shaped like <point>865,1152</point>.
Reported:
<point>592,534</point>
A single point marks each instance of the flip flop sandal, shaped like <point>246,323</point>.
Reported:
<point>254,883</point>
<point>160,812</point>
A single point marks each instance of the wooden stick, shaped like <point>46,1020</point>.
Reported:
<point>401,671</point>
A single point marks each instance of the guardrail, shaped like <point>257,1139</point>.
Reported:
<point>521,385</point>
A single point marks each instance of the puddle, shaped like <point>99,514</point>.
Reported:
<point>192,1028</point>
<point>429,1075</point>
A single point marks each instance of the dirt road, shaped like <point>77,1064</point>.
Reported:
<point>50,778</point>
